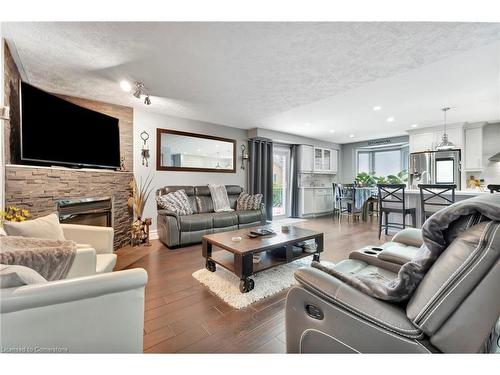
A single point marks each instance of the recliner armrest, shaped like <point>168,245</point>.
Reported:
<point>168,213</point>
<point>410,237</point>
<point>388,316</point>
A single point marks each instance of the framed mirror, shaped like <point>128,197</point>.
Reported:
<point>182,151</point>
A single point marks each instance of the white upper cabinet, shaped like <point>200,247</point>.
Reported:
<point>428,139</point>
<point>421,142</point>
<point>325,160</point>
<point>474,148</point>
<point>317,160</point>
<point>306,158</point>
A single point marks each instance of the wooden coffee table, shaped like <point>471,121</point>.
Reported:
<point>237,257</point>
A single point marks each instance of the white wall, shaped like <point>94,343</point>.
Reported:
<point>150,122</point>
<point>491,145</point>
<point>2,158</point>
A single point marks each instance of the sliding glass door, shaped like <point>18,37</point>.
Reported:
<point>281,174</point>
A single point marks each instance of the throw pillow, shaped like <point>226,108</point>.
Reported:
<point>177,202</point>
<point>248,202</point>
<point>13,275</point>
<point>219,198</point>
<point>43,227</point>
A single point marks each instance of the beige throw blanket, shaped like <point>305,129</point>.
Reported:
<point>50,258</point>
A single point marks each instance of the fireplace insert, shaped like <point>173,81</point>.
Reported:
<point>86,211</point>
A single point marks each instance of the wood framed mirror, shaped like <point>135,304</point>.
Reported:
<point>192,152</point>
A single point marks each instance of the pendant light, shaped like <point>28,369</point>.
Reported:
<point>445,143</point>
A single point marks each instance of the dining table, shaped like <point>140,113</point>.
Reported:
<point>363,196</point>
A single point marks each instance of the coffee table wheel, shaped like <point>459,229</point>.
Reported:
<point>246,285</point>
<point>210,265</point>
<point>316,257</point>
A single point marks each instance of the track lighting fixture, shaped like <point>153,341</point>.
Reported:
<point>138,90</point>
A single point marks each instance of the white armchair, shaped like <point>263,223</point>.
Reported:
<point>94,314</point>
<point>95,249</point>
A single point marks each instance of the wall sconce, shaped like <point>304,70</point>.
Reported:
<point>5,113</point>
<point>244,156</point>
<point>145,150</point>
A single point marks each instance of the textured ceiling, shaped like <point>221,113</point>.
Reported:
<point>304,78</point>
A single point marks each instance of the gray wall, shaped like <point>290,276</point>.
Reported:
<point>286,138</point>
<point>150,122</point>
<point>348,169</point>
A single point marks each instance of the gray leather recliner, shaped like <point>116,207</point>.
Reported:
<point>175,230</point>
<point>453,310</point>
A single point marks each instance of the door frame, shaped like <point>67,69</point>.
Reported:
<point>285,149</point>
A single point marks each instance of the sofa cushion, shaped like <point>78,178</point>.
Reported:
<point>224,219</point>
<point>176,202</point>
<point>204,204</point>
<point>246,201</point>
<point>219,198</point>
<point>196,222</point>
<point>189,190</point>
<point>233,192</point>
<point>43,227</point>
<point>250,216</point>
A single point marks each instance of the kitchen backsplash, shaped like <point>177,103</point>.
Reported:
<point>316,180</point>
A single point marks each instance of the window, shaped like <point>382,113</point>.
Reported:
<point>382,162</point>
<point>364,162</point>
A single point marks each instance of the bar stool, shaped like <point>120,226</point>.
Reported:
<point>493,188</point>
<point>436,197</point>
<point>389,193</point>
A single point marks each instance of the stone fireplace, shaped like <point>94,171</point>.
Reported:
<point>41,189</point>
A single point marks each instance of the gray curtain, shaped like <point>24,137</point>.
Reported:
<point>260,171</point>
<point>294,181</point>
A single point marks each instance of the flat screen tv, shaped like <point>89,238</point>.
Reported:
<point>57,132</point>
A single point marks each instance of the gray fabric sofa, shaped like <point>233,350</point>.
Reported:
<point>175,230</point>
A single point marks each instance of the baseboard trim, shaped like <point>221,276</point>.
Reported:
<point>153,234</point>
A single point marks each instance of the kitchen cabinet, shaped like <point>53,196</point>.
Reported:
<point>421,142</point>
<point>306,159</point>
<point>474,148</point>
<point>323,200</point>
<point>325,160</point>
<point>315,201</point>
<point>428,139</point>
<point>307,204</point>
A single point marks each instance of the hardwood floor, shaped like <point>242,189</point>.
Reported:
<point>183,316</point>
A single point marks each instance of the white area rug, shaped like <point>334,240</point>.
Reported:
<point>225,284</point>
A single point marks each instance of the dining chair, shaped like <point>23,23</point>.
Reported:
<point>346,194</point>
<point>493,188</point>
<point>432,195</point>
<point>394,195</point>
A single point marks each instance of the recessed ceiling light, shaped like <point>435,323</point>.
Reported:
<point>377,108</point>
<point>332,130</point>
<point>390,119</point>
<point>125,85</point>
<point>351,135</point>
<point>414,125</point>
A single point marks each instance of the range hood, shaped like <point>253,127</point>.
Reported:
<point>495,157</point>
